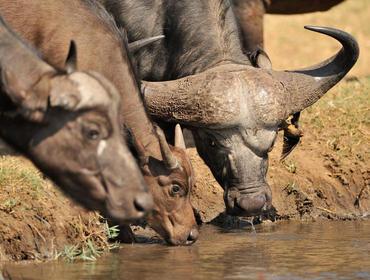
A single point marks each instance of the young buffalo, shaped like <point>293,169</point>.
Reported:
<point>166,169</point>
<point>66,122</point>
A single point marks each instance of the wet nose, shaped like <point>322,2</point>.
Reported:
<point>193,236</point>
<point>240,203</point>
<point>143,202</point>
<point>252,205</point>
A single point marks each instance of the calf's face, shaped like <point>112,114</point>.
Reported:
<point>173,216</point>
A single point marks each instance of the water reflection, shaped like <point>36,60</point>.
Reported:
<point>321,250</point>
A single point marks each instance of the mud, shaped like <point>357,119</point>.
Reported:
<point>36,221</point>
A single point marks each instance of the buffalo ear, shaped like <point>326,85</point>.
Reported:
<point>139,147</point>
<point>31,101</point>
<point>260,59</point>
<point>71,61</point>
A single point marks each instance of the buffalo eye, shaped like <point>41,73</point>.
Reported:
<point>92,131</point>
<point>176,190</point>
<point>93,134</point>
<point>212,143</point>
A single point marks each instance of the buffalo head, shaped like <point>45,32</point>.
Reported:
<point>235,112</point>
<point>170,182</point>
<point>67,123</point>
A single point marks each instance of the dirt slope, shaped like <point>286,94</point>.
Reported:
<point>325,177</point>
<point>36,220</point>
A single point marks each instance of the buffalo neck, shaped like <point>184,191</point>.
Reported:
<point>134,115</point>
<point>100,48</point>
<point>198,35</point>
<point>116,66</point>
<point>201,34</point>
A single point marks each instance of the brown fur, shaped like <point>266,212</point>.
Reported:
<point>50,27</point>
<point>50,116</point>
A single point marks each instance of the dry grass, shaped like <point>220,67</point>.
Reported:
<point>18,175</point>
<point>34,211</point>
<point>290,46</point>
<point>341,118</point>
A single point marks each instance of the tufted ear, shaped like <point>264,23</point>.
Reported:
<point>71,61</point>
<point>260,59</point>
<point>82,90</point>
<point>24,76</point>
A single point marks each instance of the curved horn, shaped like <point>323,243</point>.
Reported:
<point>308,85</point>
<point>137,45</point>
<point>260,59</point>
<point>230,95</point>
<point>168,157</point>
<point>202,100</point>
<point>179,138</point>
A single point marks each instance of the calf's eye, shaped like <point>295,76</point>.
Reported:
<point>93,134</point>
<point>175,190</point>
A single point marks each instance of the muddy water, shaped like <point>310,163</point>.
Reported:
<point>329,250</point>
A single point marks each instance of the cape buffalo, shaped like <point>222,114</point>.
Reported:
<point>50,26</point>
<point>66,122</point>
<point>206,83</point>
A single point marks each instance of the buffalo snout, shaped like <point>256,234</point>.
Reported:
<point>244,202</point>
<point>184,238</point>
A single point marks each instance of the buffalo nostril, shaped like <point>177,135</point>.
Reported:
<point>193,235</point>
<point>252,204</point>
<point>143,202</point>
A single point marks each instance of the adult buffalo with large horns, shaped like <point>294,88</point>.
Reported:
<point>233,109</point>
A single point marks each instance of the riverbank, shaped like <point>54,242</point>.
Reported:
<point>326,177</point>
<point>37,222</point>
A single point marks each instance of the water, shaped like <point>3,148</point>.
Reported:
<point>321,250</point>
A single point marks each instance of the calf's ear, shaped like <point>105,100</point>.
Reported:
<point>31,101</point>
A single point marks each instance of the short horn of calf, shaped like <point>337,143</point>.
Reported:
<point>168,157</point>
<point>226,95</point>
<point>179,138</point>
